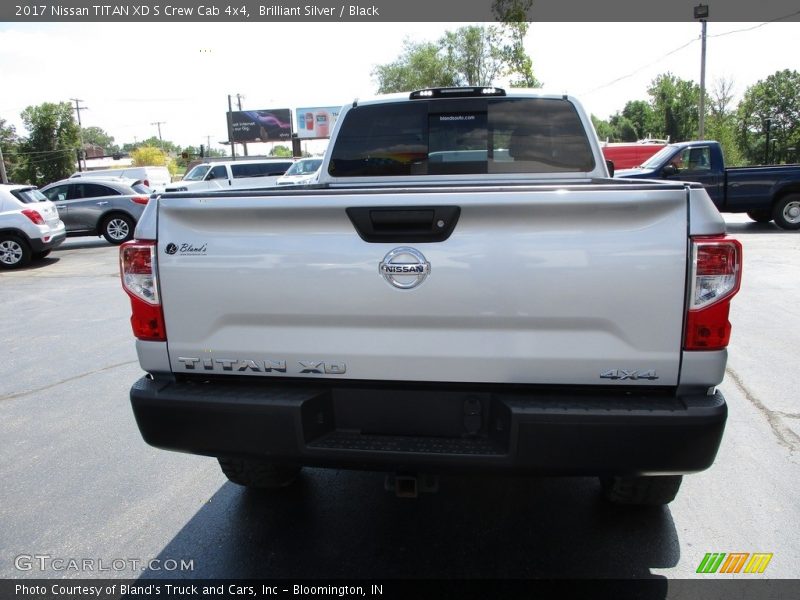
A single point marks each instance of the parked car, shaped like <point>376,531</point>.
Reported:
<point>232,175</point>
<point>766,193</point>
<point>156,178</point>
<point>107,207</point>
<point>303,171</point>
<point>30,226</point>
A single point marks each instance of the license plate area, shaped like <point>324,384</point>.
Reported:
<point>407,421</point>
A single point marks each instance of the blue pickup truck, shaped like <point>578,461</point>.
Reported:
<point>770,193</point>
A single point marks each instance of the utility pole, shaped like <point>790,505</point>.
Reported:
<point>82,153</point>
<point>701,12</point>
<point>230,128</point>
<point>159,124</point>
<point>239,102</point>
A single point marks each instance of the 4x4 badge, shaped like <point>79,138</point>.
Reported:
<point>632,375</point>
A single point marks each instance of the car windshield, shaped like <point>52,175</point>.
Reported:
<point>197,173</point>
<point>658,157</point>
<point>29,196</point>
<point>304,167</point>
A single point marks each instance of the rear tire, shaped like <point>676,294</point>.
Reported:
<point>786,212</point>
<point>14,252</point>
<point>641,491</point>
<point>258,474</point>
<point>118,228</point>
<point>760,216</point>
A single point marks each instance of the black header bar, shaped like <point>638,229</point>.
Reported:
<point>331,11</point>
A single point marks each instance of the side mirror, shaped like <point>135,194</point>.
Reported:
<point>610,167</point>
<point>669,171</point>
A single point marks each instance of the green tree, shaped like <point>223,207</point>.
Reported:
<point>280,151</point>
<point>641,116</point>
<point>774,101</point>
<point>51,147</point>
<point>470,55</point>
<point>616,129</point>
<point>624,129</point>
<point>605,133</point>
<point>721,121</point>
<point>165,145</point>
<point>147,156</point>
<point>513,14</point>
<point>419,66</point>
<point>675,103</point>
<point>98,137</point>
<point>9,145</point>
<point>474,53</point>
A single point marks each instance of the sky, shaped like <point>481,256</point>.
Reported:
<point>131,75</point>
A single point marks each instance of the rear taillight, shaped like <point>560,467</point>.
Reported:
<point>715,279</point>
<point>146,182</point>
<point>139,272</point>
<point>140,199</point>
<point>33,216</point>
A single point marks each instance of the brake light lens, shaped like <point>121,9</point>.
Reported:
<point>139,273</point>
<point>33,216</point>
<point>140,199</point>
<point>716,277</point>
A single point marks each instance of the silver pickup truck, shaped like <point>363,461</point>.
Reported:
<point>464,290</point>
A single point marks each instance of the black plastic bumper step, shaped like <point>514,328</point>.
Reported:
<point>348,440</point>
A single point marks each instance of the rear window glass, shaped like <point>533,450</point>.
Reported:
<point>29,196</point>
<point>266,169</point>
<point>92,190</point>
<point>469,136</point>
<point>141,188</point>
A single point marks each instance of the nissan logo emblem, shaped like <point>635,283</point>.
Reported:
<point>404,268</point>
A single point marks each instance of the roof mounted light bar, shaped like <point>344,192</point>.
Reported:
<point>458,92</point>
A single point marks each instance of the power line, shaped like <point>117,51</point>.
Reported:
<point>690,42</point>
<point>17,153</point>
<point>775,20</point>
<point>632,73</point>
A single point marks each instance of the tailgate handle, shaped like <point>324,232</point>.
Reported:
<point>404,224</point>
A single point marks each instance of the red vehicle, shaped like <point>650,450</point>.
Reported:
<point>627,155</point>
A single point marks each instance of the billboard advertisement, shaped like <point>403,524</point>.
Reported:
<point>316,122</point>
<point>273,125</point>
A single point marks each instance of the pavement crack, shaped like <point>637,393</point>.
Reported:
<point>67,380</point>
<point>786,437</point>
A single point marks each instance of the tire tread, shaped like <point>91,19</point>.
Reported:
<point>258,474</point>
<point>642,491</point>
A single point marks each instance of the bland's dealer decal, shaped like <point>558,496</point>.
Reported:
<point>186,249</point>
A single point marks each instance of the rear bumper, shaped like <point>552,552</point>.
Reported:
<point>53,241</point>
<point>435,428</point>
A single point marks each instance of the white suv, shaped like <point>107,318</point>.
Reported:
<point>29,225</point>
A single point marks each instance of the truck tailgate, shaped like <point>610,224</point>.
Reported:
<point>536,285</point>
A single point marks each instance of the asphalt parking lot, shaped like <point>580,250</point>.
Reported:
<point>78,481</point>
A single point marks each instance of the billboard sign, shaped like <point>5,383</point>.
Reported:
<point>260,125</point>
<point>316,122</point>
